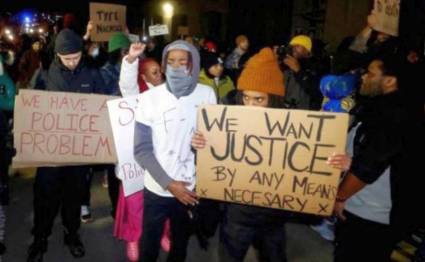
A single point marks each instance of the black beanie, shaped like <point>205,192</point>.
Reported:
<point>210,59</point>
<point>67,42</point>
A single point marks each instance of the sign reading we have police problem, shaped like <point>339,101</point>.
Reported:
<point>59,128</point>
<point>273,158</point>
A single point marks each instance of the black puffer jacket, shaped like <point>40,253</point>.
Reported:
<point>388,136</point>
<point>82,80</point>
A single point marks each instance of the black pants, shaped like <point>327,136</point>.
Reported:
<point>358,239</point>
<point>88,178</point>
<point>236,237</point>
<point>54,188</point>
<point>156,210</point>
<point>113,187</point>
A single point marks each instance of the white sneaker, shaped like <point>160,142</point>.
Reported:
<point>325,229</point>
<point>85,214</point>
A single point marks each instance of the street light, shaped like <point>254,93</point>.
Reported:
<point>7,31</point>
<point>168,10</point>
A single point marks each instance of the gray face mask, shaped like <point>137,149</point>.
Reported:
<point>179,81</point>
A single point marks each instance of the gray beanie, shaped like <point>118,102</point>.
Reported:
<point>68,42</point>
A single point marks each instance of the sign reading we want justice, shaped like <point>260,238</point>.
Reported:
<point>59,128</point>
<point>273,158</point>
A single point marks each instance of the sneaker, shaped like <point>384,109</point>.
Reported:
<point>105,180</point>
<point>165,243</point>
<point>36,250</point>
<point>325,230</point>
<point>133,251</point>
<point>76,247</point>
<point>86,214</point>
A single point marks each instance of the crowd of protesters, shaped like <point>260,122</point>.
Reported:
<point>372,81</point>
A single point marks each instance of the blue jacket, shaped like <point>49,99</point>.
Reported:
<point>111,76</point>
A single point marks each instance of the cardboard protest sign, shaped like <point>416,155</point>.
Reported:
<point>59,128</point>
<point>122,114</point>
<point>107,20</point>
<point>387,13</point>
<point>273,158</point>
<point>155,30</point>
<point>183,30</point>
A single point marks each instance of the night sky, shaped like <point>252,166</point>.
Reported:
<point>59,6</point>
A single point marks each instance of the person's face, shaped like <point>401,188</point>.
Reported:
<point>300,52</point>
<point>36,46</point>
<point>216,70</point>
<point>70,61</point>
<point>244,45</point>
<point>372,81</point>
<point>177,58</point>
<point>150,45</point>
<point>153,74</point>
<point>255,98</point>
<point>189,39</point>
<point>413,57</point>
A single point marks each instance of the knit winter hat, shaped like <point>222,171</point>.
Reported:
<point>262,74</point>
<point>67,42</point>
<point>302,40</point>
<point>210,59</point>
<point>117,41</point>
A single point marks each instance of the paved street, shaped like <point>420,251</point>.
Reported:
<point>304,245</point>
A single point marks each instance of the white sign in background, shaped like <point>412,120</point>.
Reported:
<point>122,115</point>
<point>155,30</point>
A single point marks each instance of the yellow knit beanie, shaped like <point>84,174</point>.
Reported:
<point>302,40</point>
<point>262,74</point>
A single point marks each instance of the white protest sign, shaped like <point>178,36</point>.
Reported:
<point>134,38</point>
<point>122,113</point>
<point>155,30</point>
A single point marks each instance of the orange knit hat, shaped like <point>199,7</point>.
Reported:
<point>262,74</point>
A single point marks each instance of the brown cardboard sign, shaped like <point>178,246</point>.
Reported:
<point>273,158</point>
<point>59,128</point>
<point>107,20</point>
<point>387,13</point>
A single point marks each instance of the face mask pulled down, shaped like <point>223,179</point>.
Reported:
<point>179,81</point>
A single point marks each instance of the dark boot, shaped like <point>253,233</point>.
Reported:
<point>75,245</point>
<point>2,248</point>
<point>37,250</point>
